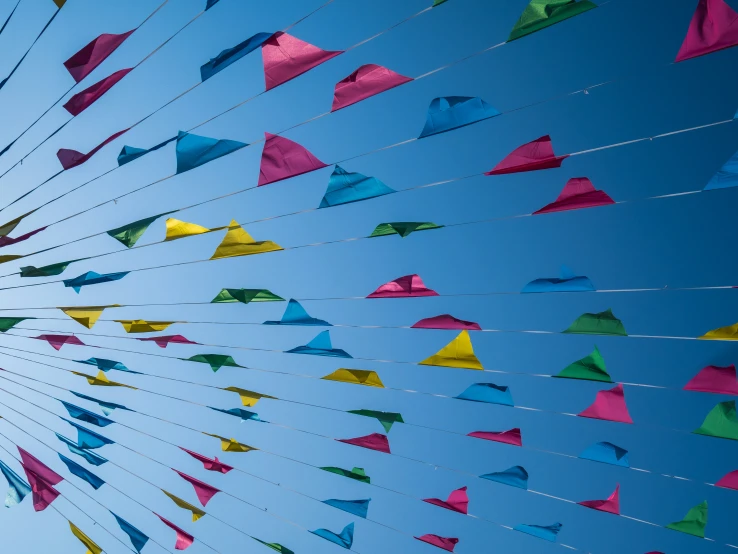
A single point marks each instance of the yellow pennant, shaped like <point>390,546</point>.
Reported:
<point>356,377</point>
<point>92,548</point>
<point>248,397</point>
<point>177,229</point>
<point>457,353</point>
<point>143,326</point>
<point>86,315</point>
<point>231,445</point>
<point>101,380</point>
<point>238,242</point>
<point>197,513</point>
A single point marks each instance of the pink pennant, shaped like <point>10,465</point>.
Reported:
<point>83,100</point>
<point>7,241</point>
<point>447,544</point>
<point>209,464</point>
<point>41,478</point>
<point>578,193</point>
<point>729,481</point>
<point>403,287</point>
<point>72,158</point>
<point>184,539</point>
<point>532,156</point>
<point>611,505</point>
<point>162,342</point>
<point>57,341</point>
<point>375,441</point>
<point>513,436</point>
<point>714,26</point>
<point>458,501</point>
<point>286,57</point>
<point>609,405</point>
<point>368,80</point>
<point>81,64</point>
<point>720,380</point>
<point>283,158</point>
<point>203,491</point>
<point>446,321</point>
<point>35,465</point>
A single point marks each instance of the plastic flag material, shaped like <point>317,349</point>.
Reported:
<point>568,282</point>
<point>18,489</point>
<point>286,57</point>
<point>138,539</point>
<point>609,405</point>
<point>163,342</point>
<point>357,507</point>
<point>105,365</point>
<point>540,14</point>
<point>232,55</point>
<point>344,539</point>
<point>129,234</point>
<point>92,548</point>
<point>57,341</point>
<point>85,415</point>
<point>457,353</point>
<point>722,333</point>
<point>368,80</point>
<point>357,473</point>
<point>45,271</point>
<point>177,229</point>
<point>283,158</point>
<point>245,296</point>
<point>403,287</point>
<point>375,441</point>
<point>727,176</point>
<point>106,407</point>
<point>458,501</point>
<point>446,321</point>
<point>443,543</point>
<point>356,377</point>
<point>143,326</point>
<point>194,150</point>
<point>607,453</point>
<point>82,473</point>
<point>7,323</point>
<point>215,361</point>
<point>211,464</point>
<point>611,505</point>
<point>589,368</point>
<point>74,448</point>
<point>203,491</point>
<point>694,522</point>
<point>545,532</point>
<point>713,27</point>
<point>81,64</point>
<point>715,379</point>
<point>345,187</point>
<point>245,415</point>
<point>721,422</point>
<point>516,476</point>
<point>72,158</point>
<point>729,481</point>
<point>320,346</point>
<point>578,193</point>
<point>513,436</point>
<point>488,393</point>
<point>452,112</point>
<point>231,445</point>
<point>87,438</point>
<point>86,316</point>
<point>101,380</point>
<point>237,242</point>
<point>403,228</point>
<point>10,226</point>
<point>41,478</point>
<point>184,539</point>
<point>7,241</point>
<point>276,546</point>
<point>130,153</point>
<point>602,323</point>
<point>249,398</point>
<point>295,314</point>
<point>532,156</point>
<point>84,99</point>
<point>197,513</point>
<point>387,419</point>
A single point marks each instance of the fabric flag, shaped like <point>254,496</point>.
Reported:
<point>283,158</point>
<point>516,476</point>
<point>72,158</point>
<point>7,323</point>
<point>727,176</point>
<point>446,321</point>
<point>87,438</point>
<point>215,361</point>
<point>162,342</point>
<point>245,415</point>
<point>452,112</point>
<point>82,473</point>
<point>74,448</point>
<point>92,548</point>
<point>105,365</point>
<point>357,473</point>
<point>375,441</point>
<point>540,14</point>
<point>344,539</point>
<point>387,419</point>
<point>143,326</point>
<point>93,278</point>
<point>85,415</point>
<point>458,501</point>
<point>86,316</point>
<point>320,346</point>
<point>488,393</point>
<point>345,187</point>
<point>203,491</point>
<point>84,99</point>
<point>457,353</point>
<point>729,481</point>
<point>211,464</point>
<point>295,314</point>
<point>7,241</point>
<point>715,379</point>
<point>357,507</point>
<point>10,257</point>
<point>232,55</point>
<point>81,64</point>
<point>443,543</point>
<point>129,234</point>
<point>138,539</point>
<point>722,333</point>
<point>609,405</point>
<point>532,156</point>
<point>106,407</point>
<point>694,522</point>
<point>101,380</point>
<point>57,341</point>
<point>45,271</point>
<point>42,478</point>
<point>184,539</point>
<point>513,436</point>
<point>713,27</point>
<point>578,193</point>
<point>611,505</point>
<point>130,153</point>
<point>194,150</point>
<point>721,422</point>
<point>589,368</point>
<point>210,4</point>
<point>368,80</point>
<point>18,489</point>
<point>402,228</point>
<point>197,513</point>
<point>245,296</point>
<point>231,445</point>
<point>249,398</point>
<point>275,546</point>
<point>602,323</point>
<point>237,242</point>
<point>286,57</point>
<point>403,287</point>
<point>545,532</point>
<point>10,226</point>
<point>607,453</point>
<point>177,229</point>
<point>356,377</point>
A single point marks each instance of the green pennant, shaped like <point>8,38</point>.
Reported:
<point>589,368</point>
<point>357,473</point>
<point>402,228</point>
<point>129,234</point>
<point>245,296</point>
<point>721,422</point>
<point>216,361</point>
<point>7,323</point>
<point>438,2</point>
<point>540,14</point>
<point>603,323</point>
<point>45,271</point>
<point>694,522</point>
<point>385,418</point>
<point>275,546</point>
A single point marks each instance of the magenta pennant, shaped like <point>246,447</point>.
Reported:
<point>403,287</point>
<point>368,80</point>
<point>41,478</point>
<point>210,464</point>
<point>729,481</point>
<point>446,321</point>
<point>578,193</point>
<point>184,539</point>
<point>32,463</point>
<point>532,156</point>
<point>203,491</point>
<point>375,441</point>
<point>83,100</point>
<point>57,341</point>
<point>611,505</point>
<point>81,64</point>
<point>714,26</point>
<point>72,158</point>
<point>7,241</point>
<point>716,379</point>
<point>444,543</point>
<point>162,342</point>
<point>286,57</point>
<point>283,158</point>
<point>513,436</point>
<point>609,405</point>
<point>458,501</point>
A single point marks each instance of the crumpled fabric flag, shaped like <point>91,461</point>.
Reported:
<point>86,316</point>
<point>516,476</point>
<point>194,150</point>
<point>245,415</point>
<point>357,507</point>
<point>457,353</point>
<point>215,361</point>
<point>345,187</point>
<point>81,64</point>
<point>513,436</point>
<point>72,158</point>
<point>101,380</point>
<point>74,448</point>
<point>237,242</point>
<point>84,99</point>
<point>532,156</point>
<point>184,539</point>
<point>370,79</point>
<point>245,296</point>
<point>714,26</point>
<point>7,323</point>
<point>609,405</point>
<point>57,341</point>
<point>163,342</point>
<point>93,278</point>
<point>577,194</point>
<point>343,539</point>
<point>41,478</point>
<point>602,323</point>
<point>607,453</point>
<point>729,332</point>
<point>10,257</point>
<point>177,229</point>
<point>488,393</point>
<point>138,539</point>
<point>589,368</point>
<point>446,321</point>
<point>275,546</point>
<point>715,379</point>
<point>387,419</point>
<point>283,158</point>
<point>458,501</point>
<point>130,153</point>
<point>356,377</point>
<point>611,505</point>
<point>694,522</point>
<point>729,481</point>
<point>357,473</point>
<point>143,326</point>
<point>85,415</point>
<point>197,513</point>
<point>320,346</point>
<point>540,14</point>
<point>726,177</point>
<point>18,489</point>
<point>210,4</point>
<point>295,314</point>
<point>203,491</point>
<point>82,473</point>
<point>402,228</point>
<point>545,532</point>
<point>10,226</point>
<point>444,543</point>
<point>403,287</point>
<point>375,441</point>
<point>7,241</point>
<point>249,398</point>
<point>106,407</point>
<point>232,55</point>
<point>87,438</point>
<point>211,464</point>
<point>453,112</point>
<point>92,548</point>
<point>721,422</point>
<point>105,365</point>
<point>286,57</point>
<point>129,234</point>
<point>231,445</point>
<point>46,270</point>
